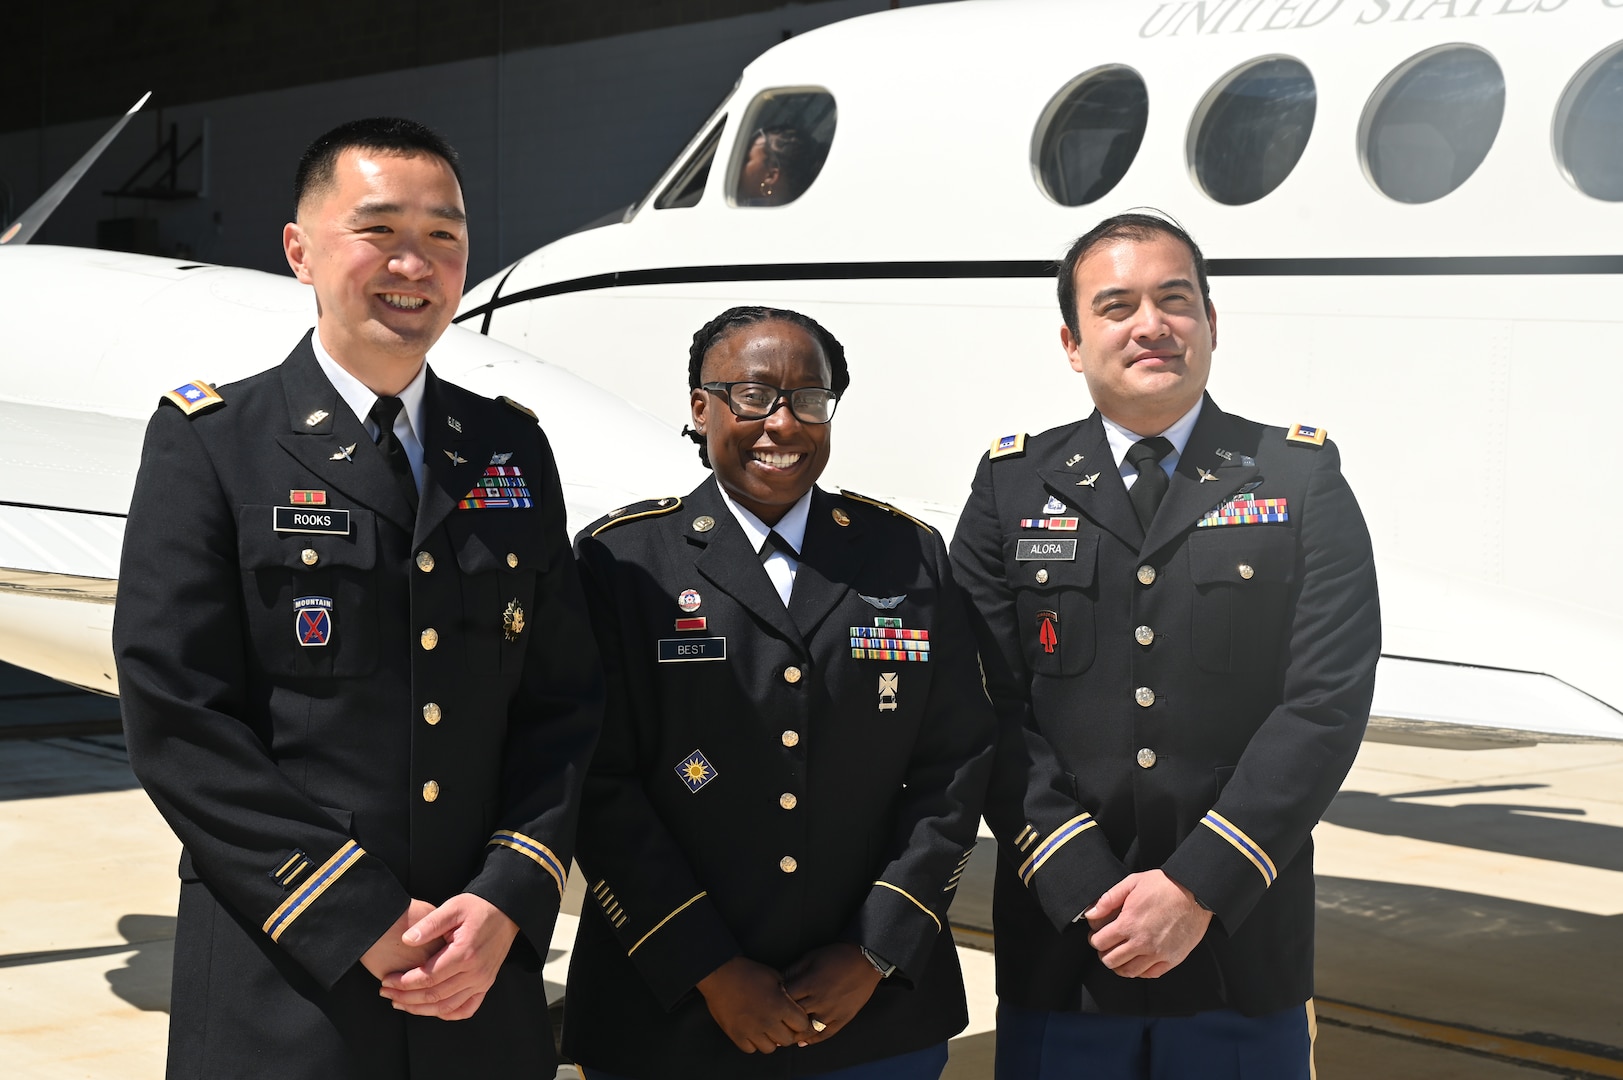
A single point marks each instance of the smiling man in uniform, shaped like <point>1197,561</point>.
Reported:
<point>1179,627</point>
<point>334,577</point>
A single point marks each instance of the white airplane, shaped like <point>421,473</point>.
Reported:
<point>93,338</point>
<point>1412,209</point>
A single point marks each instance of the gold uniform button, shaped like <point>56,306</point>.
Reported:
<point>431,791</point>
<point>512,560</point>
<point>788,865</point>
<point>791,675</point>
<point>1144,696</point>
<point>430,638</point>
<point>1143,635</point>
<point>1146,575</point>
<point>791,738</point>
<point>425,561</point>
<point>1146,758</point>
<point>1246,572</point>
<point>1042,575</point>
<point>309,556</point>
<point>431,713</point>
<point>787,800</point>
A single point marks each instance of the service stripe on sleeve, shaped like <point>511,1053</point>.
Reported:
<point>1246,846</point>
<point>536,850</point>
<point>921,907</point>
<point>295,905</point>
<point>1056,840</point>
<point>686,904</point>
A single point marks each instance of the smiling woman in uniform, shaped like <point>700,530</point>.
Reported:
<point>792,766</point>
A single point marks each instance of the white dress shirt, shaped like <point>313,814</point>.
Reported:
<point>1178,435</point>
<point>360,399</point>
<point>792,527</point>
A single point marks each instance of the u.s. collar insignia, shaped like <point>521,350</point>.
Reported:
<point>345,453</point>
<point>454,424</point>
<point>1072,460</point>
<point>1088,480</point>
<point>513,620</point>
<point>315,418</point>
<point>312,620</point>
<point>884,603</point>
<point>696,771</point>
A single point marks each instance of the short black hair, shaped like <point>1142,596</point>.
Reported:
<point>387,134</point>
<point>1136,227</point>
<point>705,338</point>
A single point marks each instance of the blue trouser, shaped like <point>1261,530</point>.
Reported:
<point>923,1064</point>
<point>1219,1045</point>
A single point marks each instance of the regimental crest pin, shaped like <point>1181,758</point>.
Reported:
<point>887,691</point>
<point>1053,506</point>
<point>312,620</point>
<point>513,620</point>
<point>884,603</point>
<point>696,771</point>
<point>1048,630</point>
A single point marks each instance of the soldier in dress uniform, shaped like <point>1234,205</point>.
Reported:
<point>1179,625</point>
<point>793,758</point>
<point>356,671</point>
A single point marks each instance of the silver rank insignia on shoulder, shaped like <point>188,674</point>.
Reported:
<point>501,459</point>
<point>345,453</point>
<point>1088,480</point>
<point>696,771</point>
<point>887,690</point>
<point>1205,476</point>
<point>315,418</point>
<point>454,424</point>
<point>456,458</point>
<point>883,603</point>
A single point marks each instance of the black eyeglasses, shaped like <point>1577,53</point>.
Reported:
<point>757,400</point>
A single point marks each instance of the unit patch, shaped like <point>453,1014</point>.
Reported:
<point>1245,510</point>
<point>696,771</point>
<point>683,650</point>
<point>298,519</point>
<point>1039,550</point>
<point>890,643</point>
<point>312,620</point>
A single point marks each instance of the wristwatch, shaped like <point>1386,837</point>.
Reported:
<point>885,968</point>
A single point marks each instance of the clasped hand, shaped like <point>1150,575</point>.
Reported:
<point>1146,925</point>
<point>761,1010</point>
<point>441,961</point>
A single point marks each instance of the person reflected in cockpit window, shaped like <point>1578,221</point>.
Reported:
<point>781,163</point>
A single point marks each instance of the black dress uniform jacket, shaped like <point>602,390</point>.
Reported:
<point>424,749</point>
<point>1189,700</point>
<point>778,794</point>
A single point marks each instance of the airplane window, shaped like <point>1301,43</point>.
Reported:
<point>782,145</point>
<point>1430,124</point>
<point>1251,129</point>
<point>688,185</point>
<point>1589,127</point>
<point>1089,134</point>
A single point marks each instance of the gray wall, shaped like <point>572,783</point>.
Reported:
<point>552,138</point>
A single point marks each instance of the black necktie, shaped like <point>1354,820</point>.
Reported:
<point>776,543</point>
<point>1145,455</point>
<point>383,413</point>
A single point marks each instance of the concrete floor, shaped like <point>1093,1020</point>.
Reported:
<point>1470,911</point>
